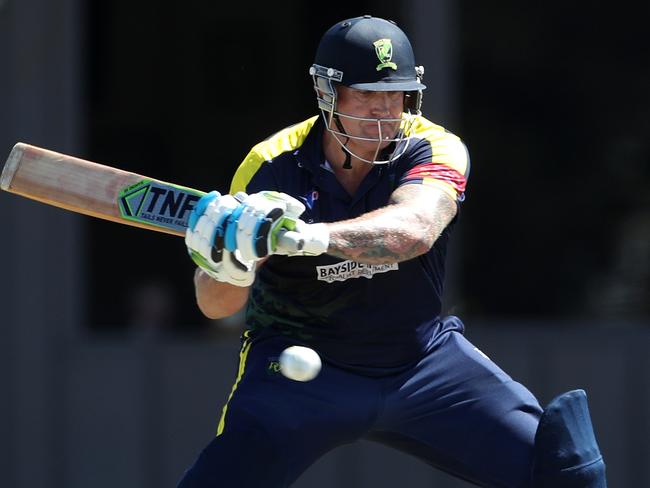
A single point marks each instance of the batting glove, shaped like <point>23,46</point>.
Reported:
<point>253,227</point>
<point>305,239</point>
<point>205,238</point>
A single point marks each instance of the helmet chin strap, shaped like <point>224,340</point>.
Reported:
<point>347,164</point>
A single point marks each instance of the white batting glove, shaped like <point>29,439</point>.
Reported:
<point>205,240</point>
<point>253,227</point>
<point>305,239</point>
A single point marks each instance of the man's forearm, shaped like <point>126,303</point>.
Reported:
<point>217,299</point>
<point>379,237</point>
<point>391,234</point>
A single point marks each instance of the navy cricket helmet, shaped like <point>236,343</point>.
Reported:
<point>371,54</point>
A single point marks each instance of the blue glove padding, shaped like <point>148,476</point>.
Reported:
<point>252,228</point>
<point>205,240</point>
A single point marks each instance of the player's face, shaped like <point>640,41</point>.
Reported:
<point>370,105</point>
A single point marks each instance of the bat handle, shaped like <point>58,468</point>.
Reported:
<point>290,241</point>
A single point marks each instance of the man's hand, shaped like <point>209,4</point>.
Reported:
<point>205,238</point>
<point>253,227</point>
<point>265,216</point>
<point>227,235</point>
<point>308,239</point>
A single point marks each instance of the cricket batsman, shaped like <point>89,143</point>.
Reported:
<point>370,190</point>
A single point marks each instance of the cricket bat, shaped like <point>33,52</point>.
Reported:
<point>105,192</point>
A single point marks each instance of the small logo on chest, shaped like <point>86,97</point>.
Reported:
<point>310,198</point>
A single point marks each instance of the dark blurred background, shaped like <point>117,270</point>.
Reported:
<point>110,372</point>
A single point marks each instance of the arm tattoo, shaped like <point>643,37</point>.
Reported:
<point>406,228</point>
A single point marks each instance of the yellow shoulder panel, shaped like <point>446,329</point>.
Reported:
<point>288,139</point>
<point>446,148</point>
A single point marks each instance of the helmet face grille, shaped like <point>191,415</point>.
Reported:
<point>383,153</point>
<point>327,102</point>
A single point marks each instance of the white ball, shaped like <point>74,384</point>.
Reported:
<point>299,363</point>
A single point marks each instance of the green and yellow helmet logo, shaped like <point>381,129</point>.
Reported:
<point>384,50</point>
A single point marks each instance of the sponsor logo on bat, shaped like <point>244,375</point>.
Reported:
<point>160,204</point>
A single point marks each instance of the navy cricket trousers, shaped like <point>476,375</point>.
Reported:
<point>454,409</point>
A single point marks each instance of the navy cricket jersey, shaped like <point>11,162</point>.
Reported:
<point>371,318</point>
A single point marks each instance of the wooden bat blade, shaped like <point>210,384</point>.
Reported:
<point>106,192</point>
<point>97,190</point>
<point>11,166</point>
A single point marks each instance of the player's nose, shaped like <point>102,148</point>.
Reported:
<point>381,104</point>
